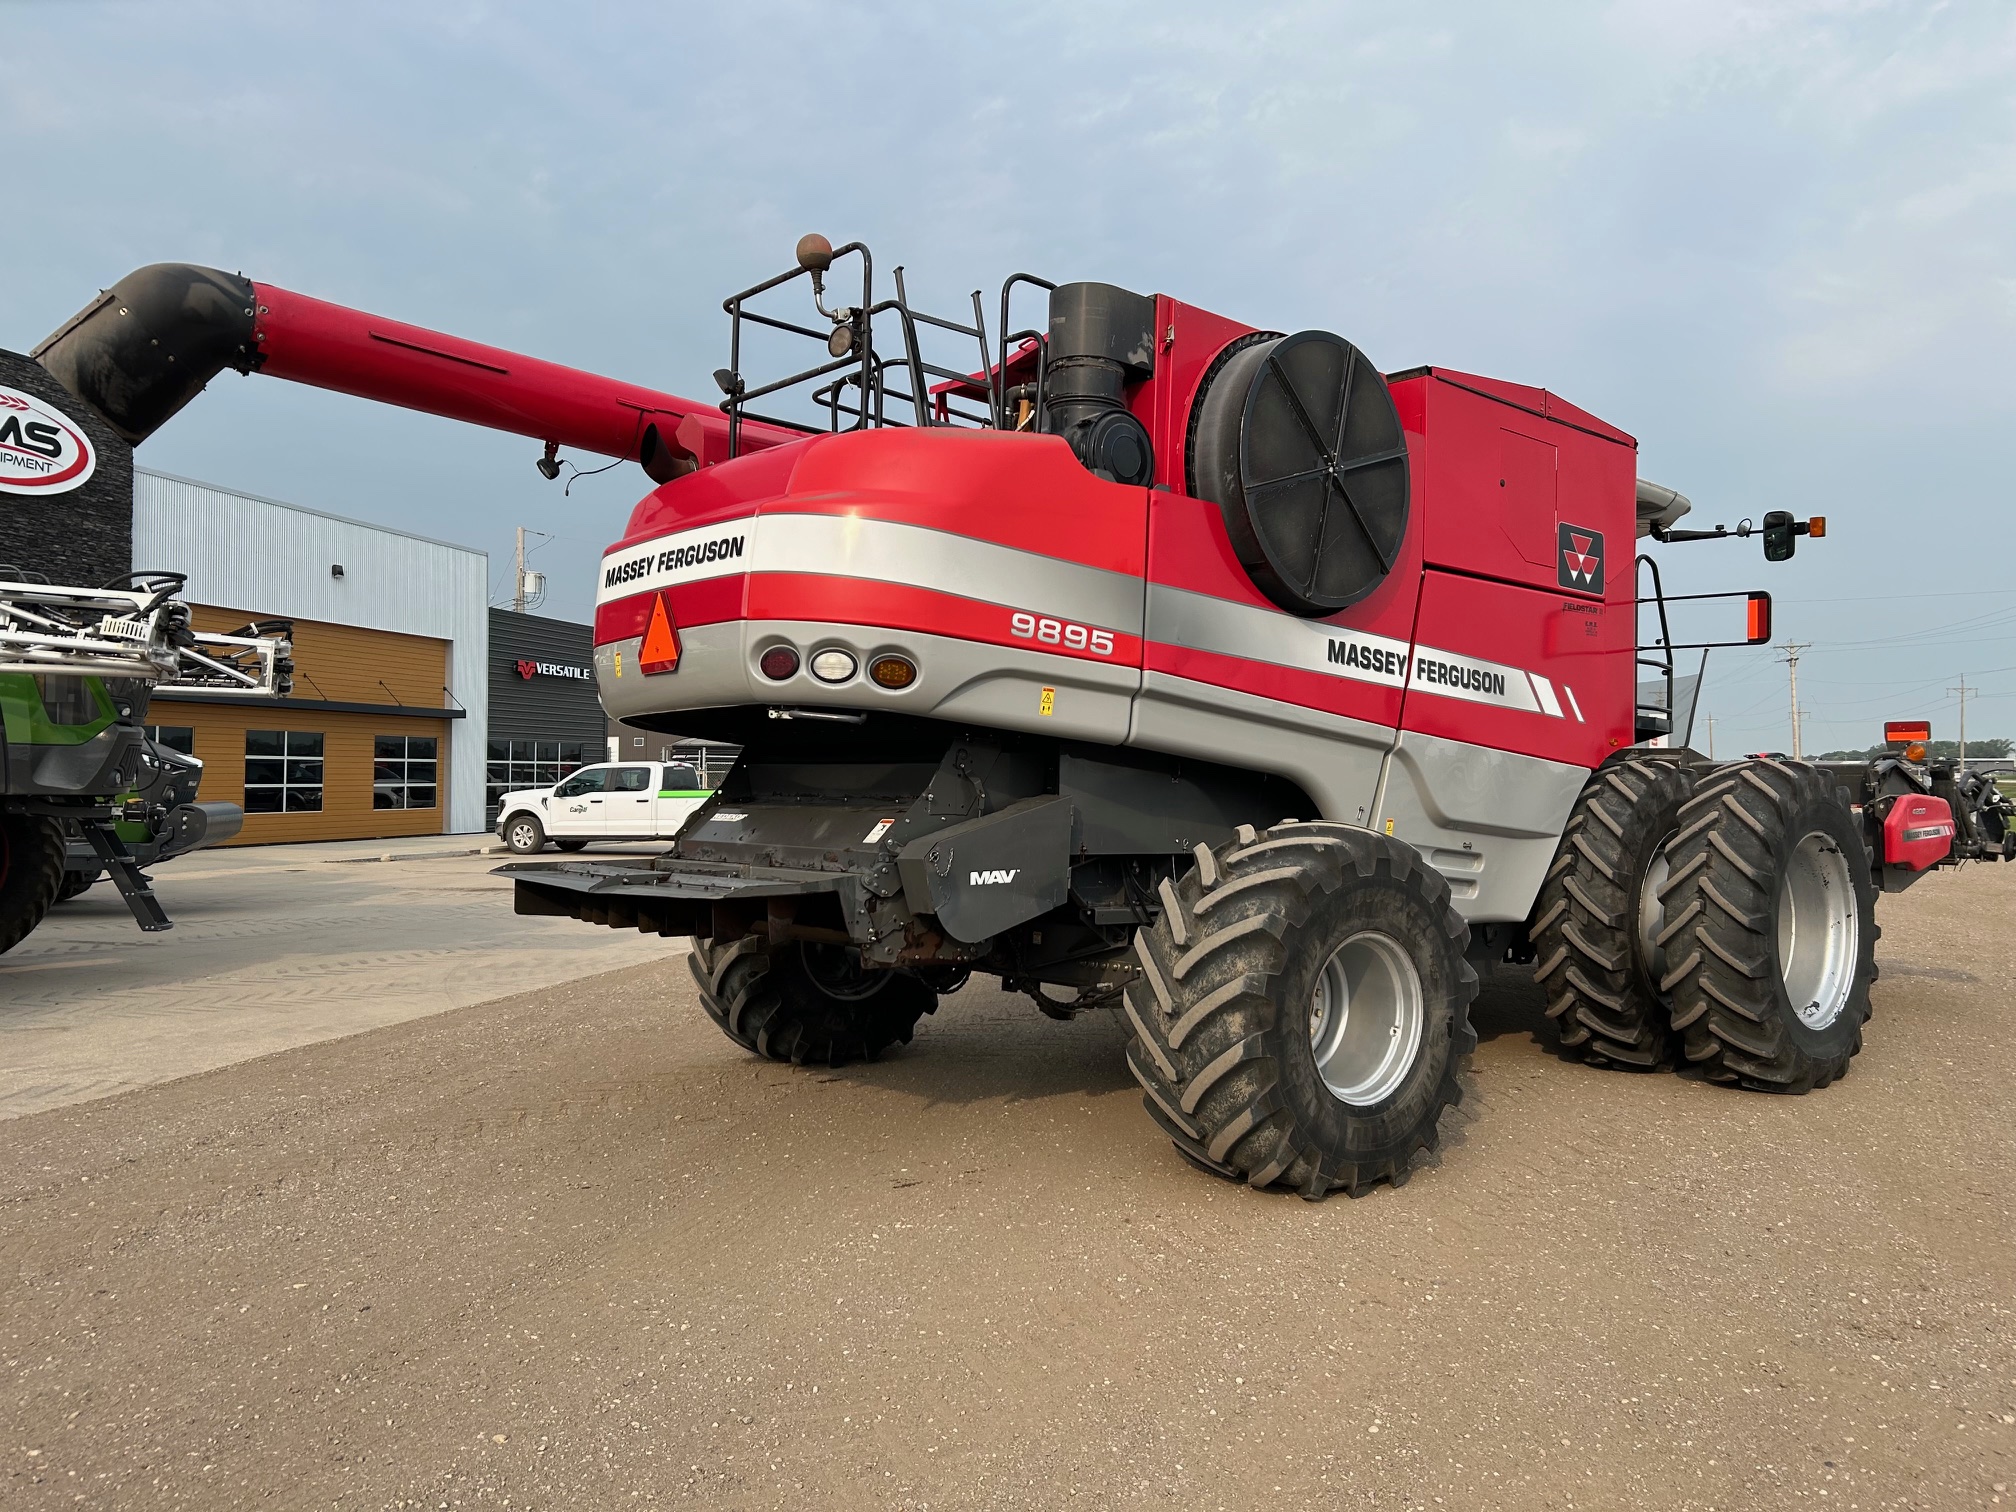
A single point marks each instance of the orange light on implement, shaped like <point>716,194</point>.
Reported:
<point>1817,526</point>
<point>1758,625</point>
<point>660,651</point>
<point>1915,751</point>
<point>1905,731</point>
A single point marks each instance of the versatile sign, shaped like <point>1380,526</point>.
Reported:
<point>531,669</point>
<point>1581,558</point>
<point>42,450</point>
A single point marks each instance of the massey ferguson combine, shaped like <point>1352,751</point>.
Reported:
<point>1144,658</point>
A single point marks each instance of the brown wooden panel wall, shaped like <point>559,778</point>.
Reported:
<point>346,664</point>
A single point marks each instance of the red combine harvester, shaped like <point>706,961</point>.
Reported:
<point>1145,658</point>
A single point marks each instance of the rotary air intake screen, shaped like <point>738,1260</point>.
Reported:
<point>1298,442</point>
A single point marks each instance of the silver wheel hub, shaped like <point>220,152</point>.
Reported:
<point>1366,1017</point>
<point>1652,912</point>
<point>1819,929</point>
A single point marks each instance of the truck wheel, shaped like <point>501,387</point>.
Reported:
<point>1303,1009</point>
<point>76,883</point>
<point>806,1002</point>
<point>1771,927</point>
<point>31,871</point>
<point>525,835</point>
<point>570,846</point>
<point>1597,920</point>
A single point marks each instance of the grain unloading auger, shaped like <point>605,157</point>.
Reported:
<point>1144,657</point>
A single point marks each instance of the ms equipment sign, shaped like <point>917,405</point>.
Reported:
<point>42,450</point>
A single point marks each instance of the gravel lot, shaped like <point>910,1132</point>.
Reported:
<point>571,1249</point>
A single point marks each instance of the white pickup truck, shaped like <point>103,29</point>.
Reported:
<point>623,800</point>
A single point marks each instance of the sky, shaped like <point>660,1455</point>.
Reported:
<point>1774,240</point>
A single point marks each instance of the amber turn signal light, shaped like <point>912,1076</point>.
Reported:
<point>1817,526</point>
<point>1915,751</point>
<point>893,672</point>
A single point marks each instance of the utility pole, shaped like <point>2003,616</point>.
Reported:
<point>1711,737</point>
<point>1792,650</point>
<point>518,581</point>
<point>1963,690</point>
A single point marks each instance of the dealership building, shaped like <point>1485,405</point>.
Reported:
<point>415,704</point>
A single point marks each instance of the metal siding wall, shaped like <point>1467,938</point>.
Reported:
<point>271,558</point>
<point>542,708</point>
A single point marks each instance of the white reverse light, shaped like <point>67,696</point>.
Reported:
<point>834,666</point>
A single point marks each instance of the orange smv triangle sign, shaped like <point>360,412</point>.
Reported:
<point>660,651</point>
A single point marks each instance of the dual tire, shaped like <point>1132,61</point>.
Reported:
<point>1724,921</point>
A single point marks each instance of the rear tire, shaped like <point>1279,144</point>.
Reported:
<point>76,884</point>
<point>525,835</point>
<point>805,1003</point>
<point>31,872</point>
<point>1303,1010</point>
<point>1596,919</point>
<point>1771,927</point>
<point>570,846</point>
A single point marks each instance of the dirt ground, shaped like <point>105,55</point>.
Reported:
<point>572,1249</point>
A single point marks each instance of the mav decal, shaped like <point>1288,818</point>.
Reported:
<point>989,878</point>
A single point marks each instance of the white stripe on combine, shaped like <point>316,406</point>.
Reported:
<point>1545,689</point>
<point>882,551</point>
<point>1573,705</point>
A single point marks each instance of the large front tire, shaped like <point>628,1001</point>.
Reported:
<point>1771,927</point>
<point>31,872</point>
<point>1303,1011</point>
<point>1596,921</point>
<point>806,1003</point>
<point>525,835</point>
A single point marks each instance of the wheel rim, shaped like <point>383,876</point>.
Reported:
<point>837,971</point>
<point>1365,1019</point>
<point>1652,912</point>
<point>1818,929</point>
<point>521,836</point>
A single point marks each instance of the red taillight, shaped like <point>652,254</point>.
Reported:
<point>778,663</point>
<point>660,651</point>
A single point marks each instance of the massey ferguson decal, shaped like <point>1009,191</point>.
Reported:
<point>1580,557</point>
<point>42,451</point>
<point>670,563</point>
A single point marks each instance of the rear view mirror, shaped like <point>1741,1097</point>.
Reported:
<point>1780,536</point>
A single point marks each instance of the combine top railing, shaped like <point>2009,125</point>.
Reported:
<point>859,386</point>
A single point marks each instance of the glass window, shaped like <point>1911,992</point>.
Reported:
<point>682,779</point>
<point>283,772</point>
<point>591,781</point>
<point>403,772</point>
<point>176,737</point>
<point>517,764</point>
<point>632,779</point>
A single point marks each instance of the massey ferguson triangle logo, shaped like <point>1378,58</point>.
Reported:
<point>42,450</point>
<point>1581,559</point>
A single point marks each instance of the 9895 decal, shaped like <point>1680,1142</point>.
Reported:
<point>1050,632</point>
